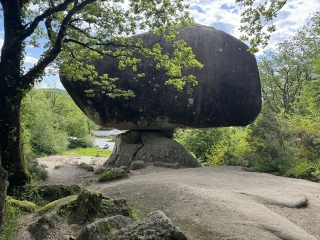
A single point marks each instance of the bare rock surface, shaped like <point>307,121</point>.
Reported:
<point>227,202</point>
<point>207,203</point>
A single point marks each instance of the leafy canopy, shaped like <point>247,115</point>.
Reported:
<point>257,23</point>
<point>80,31</point>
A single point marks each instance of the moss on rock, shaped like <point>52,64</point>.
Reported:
<point>111,175</point>
<point>53,192</point>
<point>86,166</point>
<point>57,205</point>
<point>25,206</point>
<point>44,226</point>
<point>104,228</point>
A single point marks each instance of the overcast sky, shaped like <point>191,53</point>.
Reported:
<point>225,15</point>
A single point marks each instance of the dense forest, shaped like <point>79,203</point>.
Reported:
<point>285,138</point>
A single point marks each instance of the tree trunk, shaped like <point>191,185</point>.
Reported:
<point>3,190</point>
<point>12,159</point>
<point>12,88</point>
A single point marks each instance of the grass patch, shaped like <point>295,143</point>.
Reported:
<point>111,175</point>
<point>11,223</point>
<point>90,152</point>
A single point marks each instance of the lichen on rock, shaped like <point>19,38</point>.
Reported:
<point>41,228</point>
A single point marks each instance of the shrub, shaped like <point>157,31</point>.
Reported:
<point>38,171</point>
<point>28,192</point>
<point>80,143</point>
<point>272,144</point>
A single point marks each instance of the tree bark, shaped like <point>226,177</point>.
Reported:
<point>12,159</point>
<point>3,190</point>
<point>12,88</point>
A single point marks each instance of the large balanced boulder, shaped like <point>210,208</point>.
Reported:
<point>228,91</point>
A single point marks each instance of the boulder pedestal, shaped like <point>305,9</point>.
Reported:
<point>149,147</point>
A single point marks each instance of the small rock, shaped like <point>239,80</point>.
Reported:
<point>155,226</point>
<point>40,229</point>
<point>137,165</point>
<point>100,170</point>
<point>104,228</point>
<point>167,165</point>
<point>88,167</point>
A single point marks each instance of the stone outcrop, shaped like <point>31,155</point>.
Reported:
<point>227,94</point>
<point>92,216</point>
<point>42,228</point>
<point>104,228</point>
<point>149,147</point>
<point>155,226</point>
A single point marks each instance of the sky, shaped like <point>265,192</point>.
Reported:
<point>223,15</point>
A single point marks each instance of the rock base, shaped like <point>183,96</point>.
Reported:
<point>149,147</point>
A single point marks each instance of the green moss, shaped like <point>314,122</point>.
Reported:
<point>135,213</point>
<point>53,192</point>
<point>111,175</point>
<point>87,207</point>
<point>22,205</point>
<point>57,205</point>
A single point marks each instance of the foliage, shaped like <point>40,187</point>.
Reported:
<point>256,19</point>
<point>216,146</point>
<point>10,226</point>
<point>199,141</point>
<point>48,116</point>
<point>272,144</point>
<point>80,143</point>
<point>38,171</point>
<point>28,192</point>
<point>306,170</point>
<point>91,152</point>
<point>231,149</point>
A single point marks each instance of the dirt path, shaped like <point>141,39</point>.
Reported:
<point>210,202</point>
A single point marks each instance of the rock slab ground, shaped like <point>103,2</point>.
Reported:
<point>211,202</point>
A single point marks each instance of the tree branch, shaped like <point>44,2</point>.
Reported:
<point>83,45</point>
<point>52,53</point>
<point>33,25</point>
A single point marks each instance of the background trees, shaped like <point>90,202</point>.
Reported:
<point>49,116</point>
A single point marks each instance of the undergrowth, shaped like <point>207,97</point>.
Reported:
<point>10,225</point>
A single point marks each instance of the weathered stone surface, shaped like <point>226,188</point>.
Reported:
<point>86,166</point>
<point>44,225</point>
<point>55,192</point>
<point>104,228</point>
<point>137,165</point>
<point>155,226</point>
<point>91,205</point>
<point>149,146</point>
<point>167,165</point>
<point>112,174</point>
<point>228,93</point>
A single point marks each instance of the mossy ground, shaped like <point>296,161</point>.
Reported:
<point>111,175</point>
